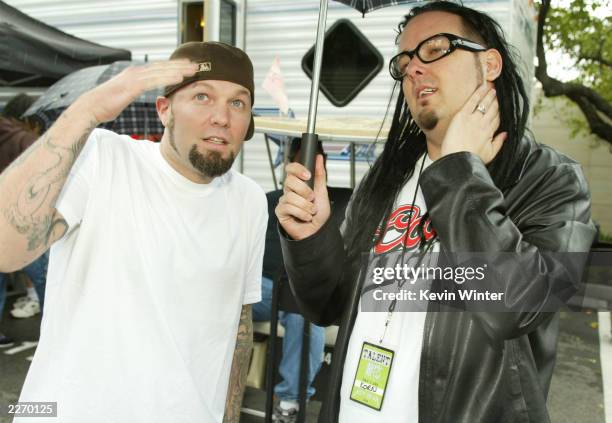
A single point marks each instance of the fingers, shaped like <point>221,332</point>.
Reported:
<point>298,201</point>
<point>298,170</point>
<point>320,174</point>
<point>489,101</point>
<point>153,75</point>
<point>472,103</point>
<point>293,205</point>
<point>162,74</point>
<point>176,64</point>
<point>490,123</point>
<point>491,116</point>
<point>298,186</point>
<point>493,123</point>
<point>498,143</point>
<point>285,210</point>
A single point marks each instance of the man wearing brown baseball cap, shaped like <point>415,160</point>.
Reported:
<point>157,247</point>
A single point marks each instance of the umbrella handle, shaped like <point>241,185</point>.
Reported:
<point>308,152</point>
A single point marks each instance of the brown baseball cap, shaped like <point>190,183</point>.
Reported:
<point>220,62</point>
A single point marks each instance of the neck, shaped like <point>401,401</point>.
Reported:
<point>434,139</point>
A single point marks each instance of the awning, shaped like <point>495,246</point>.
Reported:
<point>35,54</point>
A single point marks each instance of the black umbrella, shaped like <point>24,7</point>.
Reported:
<point>365,6</point>
<point>139,119</point>
<point>310,138</point>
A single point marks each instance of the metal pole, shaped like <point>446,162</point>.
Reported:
<point>316,68</point>
<point>304,370</point>
<point>352,150</point>
<point>267,139</point>
<point>212,16</point>
<point>242,44</point>
<point>310,139</point>
<point>271,364</point>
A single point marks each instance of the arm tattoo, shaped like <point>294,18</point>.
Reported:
<point>240,366</point>
<point>33,214</point>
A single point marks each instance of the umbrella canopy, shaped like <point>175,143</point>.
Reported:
<point>35,54</point>
<point>139,119</point>
<point>365,6</point>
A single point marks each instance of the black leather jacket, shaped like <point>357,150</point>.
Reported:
<point>475,367</point>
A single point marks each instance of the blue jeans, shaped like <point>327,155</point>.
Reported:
<point>37,272</point>
<point>289,369</point>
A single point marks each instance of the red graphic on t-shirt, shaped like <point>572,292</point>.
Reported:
<point>397,231</point>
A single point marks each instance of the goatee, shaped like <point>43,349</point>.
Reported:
<point>427,120</point>
<point>212,164</point>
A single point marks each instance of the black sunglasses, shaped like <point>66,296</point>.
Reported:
<point>429,50</point>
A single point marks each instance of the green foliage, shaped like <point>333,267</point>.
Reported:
<point>582,29</point>
<point>605,237</point>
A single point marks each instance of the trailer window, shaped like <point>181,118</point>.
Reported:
<point>227,27</point>
<point>350,62</point>
<point>192,25</point>
<point>193,22</point>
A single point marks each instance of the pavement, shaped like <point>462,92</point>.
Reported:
<point>576,393</point>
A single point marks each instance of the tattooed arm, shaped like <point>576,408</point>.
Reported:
<point>240,366</point>
<point>30,186</point>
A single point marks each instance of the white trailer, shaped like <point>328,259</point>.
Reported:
<point>267,29</point>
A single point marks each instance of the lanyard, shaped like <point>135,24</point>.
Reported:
<point>401,283</point>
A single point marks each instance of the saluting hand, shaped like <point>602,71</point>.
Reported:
<point>107,100</point>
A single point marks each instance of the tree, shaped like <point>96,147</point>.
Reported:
<point>577,31</point>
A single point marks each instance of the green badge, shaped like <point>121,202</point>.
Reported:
<point>372,375</point>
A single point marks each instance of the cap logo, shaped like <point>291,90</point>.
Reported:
<point>204,67</point>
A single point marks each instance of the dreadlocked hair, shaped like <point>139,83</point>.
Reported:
<point>373,201</point>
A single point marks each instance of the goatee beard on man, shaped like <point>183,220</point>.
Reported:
<point>427,120</point>
<point>211,164</point>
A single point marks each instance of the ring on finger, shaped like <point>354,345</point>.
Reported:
<point>481,108</point>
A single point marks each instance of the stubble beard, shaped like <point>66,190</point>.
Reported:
<point>170,127</point>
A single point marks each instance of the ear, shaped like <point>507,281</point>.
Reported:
<point>493,64</point>
<point>162,105</point>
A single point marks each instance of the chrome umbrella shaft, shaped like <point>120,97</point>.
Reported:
<point>316,68</point>
<point>310,138</point>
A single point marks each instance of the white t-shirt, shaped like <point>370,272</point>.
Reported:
<point>404,335</point>
<point>144,292</point>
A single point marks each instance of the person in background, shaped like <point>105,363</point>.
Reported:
<point>16,135</point>
<point>287,390</point>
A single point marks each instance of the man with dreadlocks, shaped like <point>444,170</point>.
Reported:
<point>459,161</point>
